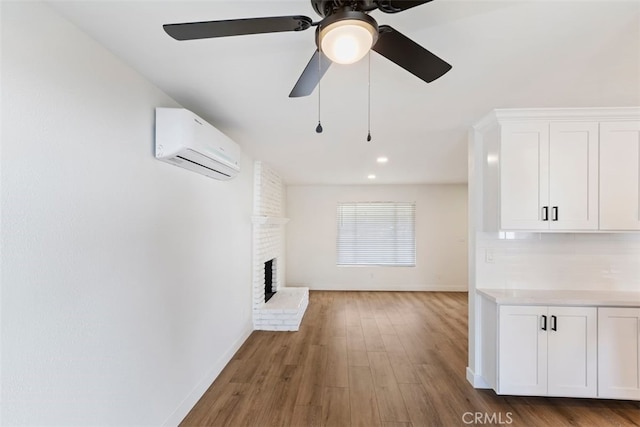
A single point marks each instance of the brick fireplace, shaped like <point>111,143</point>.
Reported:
<point>285,308</point>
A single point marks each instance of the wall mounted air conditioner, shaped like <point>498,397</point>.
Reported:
<point>184,139</point>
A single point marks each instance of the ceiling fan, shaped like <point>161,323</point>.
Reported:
<point>344,35</point>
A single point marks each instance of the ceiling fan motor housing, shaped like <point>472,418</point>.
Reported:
<point>329,7</point>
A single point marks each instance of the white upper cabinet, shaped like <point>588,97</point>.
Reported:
<point>620,175</point>
<point>559,170</point>
<point>549,176</point>
<point>524,176</point>
<point>573,176</point>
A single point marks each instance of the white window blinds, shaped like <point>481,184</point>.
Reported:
<point>376,233</point>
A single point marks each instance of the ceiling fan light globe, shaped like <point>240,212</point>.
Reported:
<point>346,49</point>
<point>347,41</point>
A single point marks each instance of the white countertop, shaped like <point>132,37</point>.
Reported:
<point>562,297</point>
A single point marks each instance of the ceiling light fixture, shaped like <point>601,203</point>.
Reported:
<point>371,176</point>
<point>382,160</point>
<point>345,37</point>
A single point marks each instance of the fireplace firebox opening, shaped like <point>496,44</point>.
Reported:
<point>268,279</point>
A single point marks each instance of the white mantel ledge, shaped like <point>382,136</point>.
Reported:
<point>264,219</point>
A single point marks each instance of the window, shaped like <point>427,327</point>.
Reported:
<point>376,233</point>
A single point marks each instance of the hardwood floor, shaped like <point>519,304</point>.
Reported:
<point>378,359</point>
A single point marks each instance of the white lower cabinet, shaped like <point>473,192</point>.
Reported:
<point>547,351</point>
<point>619,353</point>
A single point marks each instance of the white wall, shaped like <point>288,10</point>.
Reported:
<point>441,233</point>
<point>126,282</point>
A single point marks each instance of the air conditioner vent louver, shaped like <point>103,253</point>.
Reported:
<point>196,164</point>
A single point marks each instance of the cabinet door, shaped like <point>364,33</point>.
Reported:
<point>620,176</point>
<point>618,353</point>
<point>572,352</point>
<point>522,353</point>
<point>524,175</point>
<point>573,176</point>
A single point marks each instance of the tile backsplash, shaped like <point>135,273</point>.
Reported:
<point>588,261</point>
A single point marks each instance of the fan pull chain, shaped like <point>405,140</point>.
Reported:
<point>369,100</point>
<point>319,127</point>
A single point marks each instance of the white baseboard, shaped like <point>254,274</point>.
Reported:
<point>405,288</point>
<point>476,380</point>
<point>195,395</point>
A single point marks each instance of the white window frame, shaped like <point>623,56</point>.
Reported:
<point>376,234</point>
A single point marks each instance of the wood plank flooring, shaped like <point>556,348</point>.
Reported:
<point>378,359</point>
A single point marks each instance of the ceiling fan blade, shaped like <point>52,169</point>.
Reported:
<point>395,6</point>
<point>236,27</point>
<point>311,75</point>
<point>408,54</point>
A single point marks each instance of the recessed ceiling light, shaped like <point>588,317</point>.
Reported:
<point>371,176</point>
<point>382,160</point>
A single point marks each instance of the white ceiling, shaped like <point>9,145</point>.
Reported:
<point>506,53</point>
